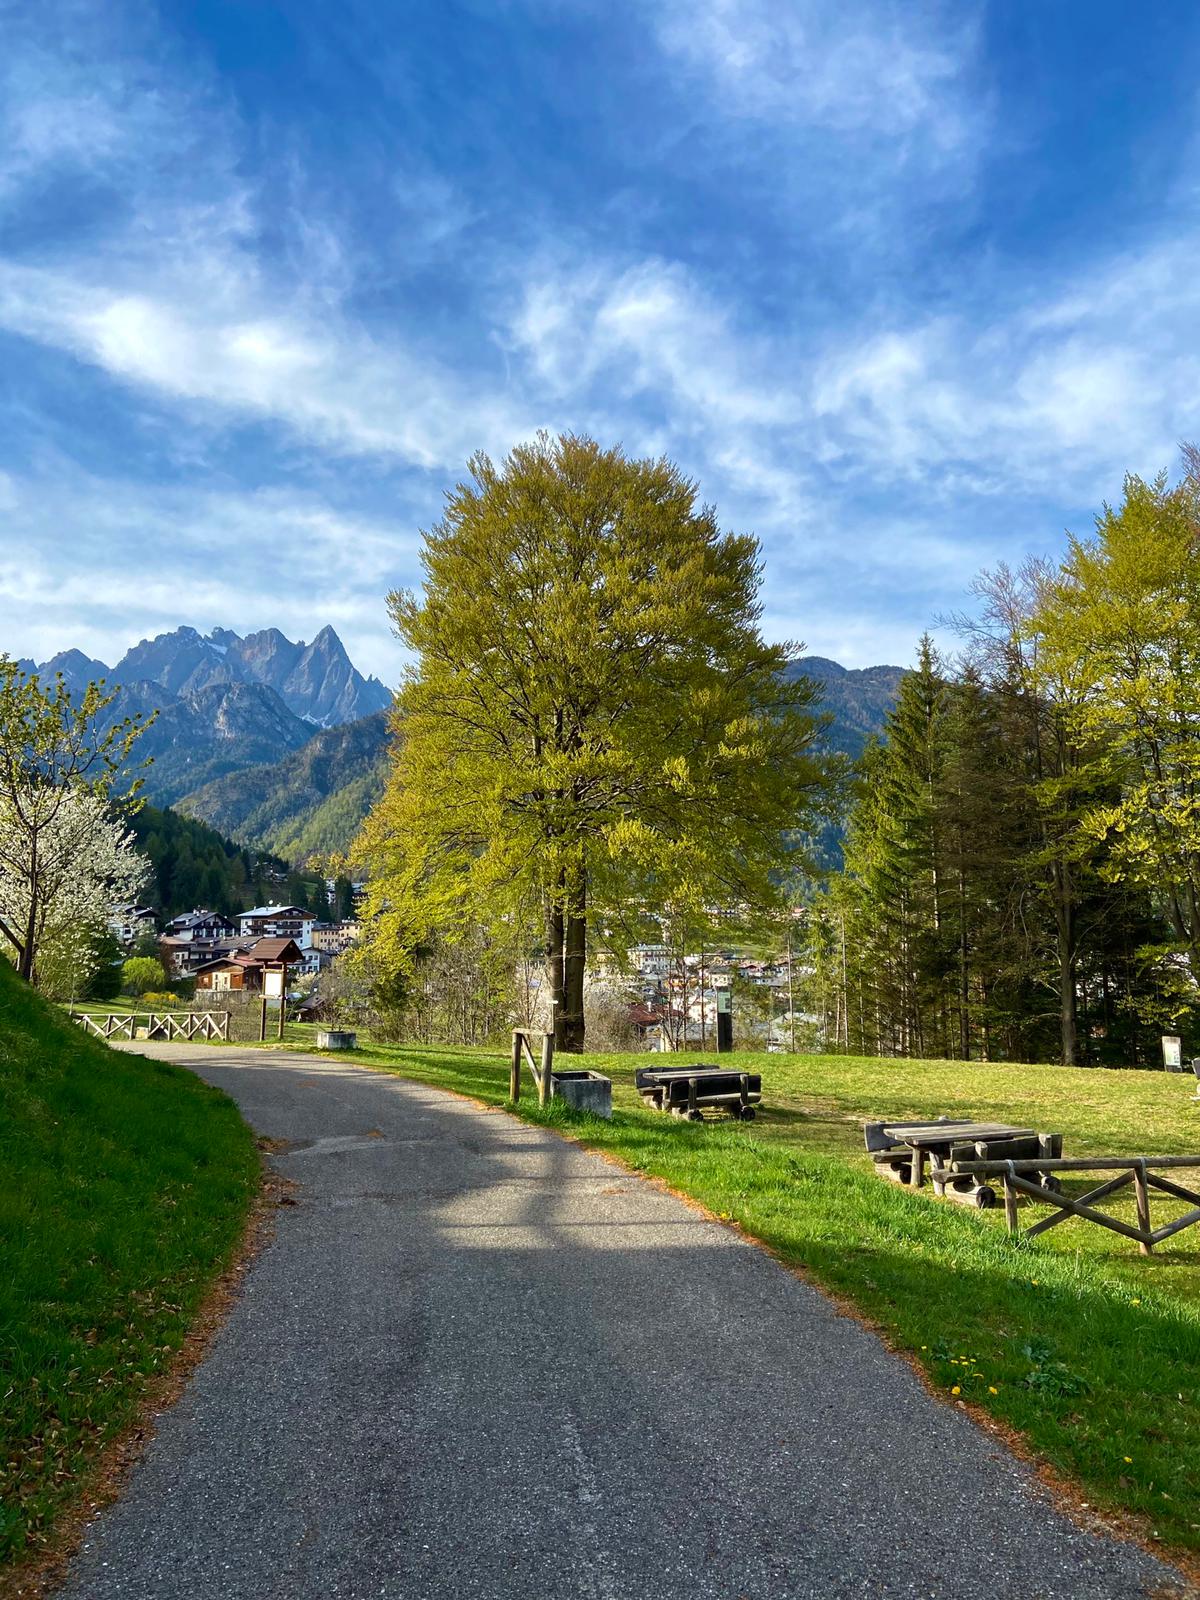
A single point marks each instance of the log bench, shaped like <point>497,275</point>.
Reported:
<point>900,1150</point>
<point>692,1091</point>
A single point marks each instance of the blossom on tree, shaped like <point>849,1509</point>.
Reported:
<point>66,877</point>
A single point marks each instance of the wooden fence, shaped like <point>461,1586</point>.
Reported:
<point>158,1024</point>
<point>117,1025</point>
<point>543,1070</point>
<point>1020,1179</point>
<point>189,1025</point>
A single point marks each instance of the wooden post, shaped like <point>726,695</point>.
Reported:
<point>546,1083</point>
<point>1010,1203</point>
<point>262,1021</point>
<point>917,1168</point>
<point>1142,1195</point>
<point>514,1069</point>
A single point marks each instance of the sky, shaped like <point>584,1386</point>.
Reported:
<point>906,288</point>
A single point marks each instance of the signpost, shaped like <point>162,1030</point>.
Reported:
<point>274,988</point>
<point>724,1021</point>
<point>1172,1049</point>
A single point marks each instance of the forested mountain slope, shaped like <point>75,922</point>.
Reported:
<point>194,865</point>
<point>314,800</point>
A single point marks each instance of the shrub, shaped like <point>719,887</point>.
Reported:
<point>142,973</point>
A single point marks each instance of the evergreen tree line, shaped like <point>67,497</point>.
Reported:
<point>1021,861</point>
<point>195,866</point>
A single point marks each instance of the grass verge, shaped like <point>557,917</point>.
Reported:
<point>124,1188</point>
<point>1086,1349</point>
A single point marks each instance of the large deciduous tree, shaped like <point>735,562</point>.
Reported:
<point>593,728</point>
<point>65,854</point>
<point>1123,614</point>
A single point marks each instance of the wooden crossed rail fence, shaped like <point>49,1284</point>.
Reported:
<point>159,1025</point>
<point>1020,1178</point>
<point>117,1025</point>
<point>191,1025</point>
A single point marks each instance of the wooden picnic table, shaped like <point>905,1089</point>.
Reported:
<point>924,1138</point>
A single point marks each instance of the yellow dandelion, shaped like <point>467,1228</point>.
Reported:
<point>1129,1459</point>
<point>1135,1302</point>
<point>956,1389</point>
<point>992,1389</point>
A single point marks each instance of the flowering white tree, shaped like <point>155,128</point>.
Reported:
<point>85,863</point>
<point>65,855</point>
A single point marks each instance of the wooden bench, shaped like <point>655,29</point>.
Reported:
<point>691,1091</point>
<point>901,1149</point>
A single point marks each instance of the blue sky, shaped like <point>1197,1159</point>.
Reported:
<point>907,288</point>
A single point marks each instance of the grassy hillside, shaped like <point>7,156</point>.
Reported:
<point>124,1187</point>
<point>313,800</point>
<point>1088,1349</point>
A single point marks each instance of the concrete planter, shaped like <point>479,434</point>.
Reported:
<point>585,1091</point>
<point>335,1039</point>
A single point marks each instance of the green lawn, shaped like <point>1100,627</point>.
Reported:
<point>1089,1349</point>
<point>124,1187</point>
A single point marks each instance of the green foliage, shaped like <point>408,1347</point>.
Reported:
<point>1022,860</point>
<point>141,974</point>
<point>126,1183</point>
<point>594,723</point>
<point>104,981</point>
<point>1123,616</point>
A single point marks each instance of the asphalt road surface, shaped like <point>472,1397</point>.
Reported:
<point>478,1362</point>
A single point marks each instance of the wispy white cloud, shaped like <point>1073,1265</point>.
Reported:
<point>884,449</point>
<point>91,550</point>
<point>213,331</point>
<point>886,70</point>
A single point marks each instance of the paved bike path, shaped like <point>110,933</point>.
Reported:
<point>476,1361</point>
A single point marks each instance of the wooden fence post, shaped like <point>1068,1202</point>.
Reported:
<point>546,1082</point>
<point>1142,1194</point>
<point>1010,1203</point>
<point>514,1070</point>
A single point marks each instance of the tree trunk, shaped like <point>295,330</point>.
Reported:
<point>1067,1000</point>
<point>574,961</point>
<point>555,968</point>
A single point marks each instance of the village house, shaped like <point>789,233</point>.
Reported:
<point>201,925</point>
<point>183,957</point>
<point>334,938</point>
<point>279,922</point>
<point>242,972</point>
<point>128,923</point>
